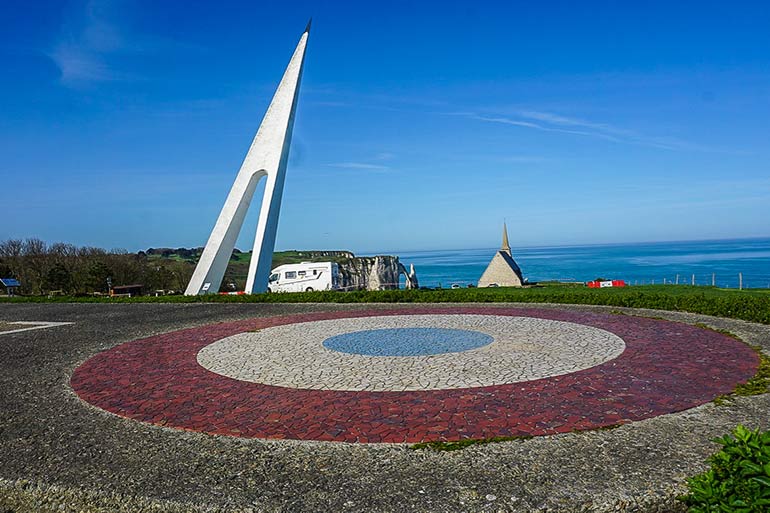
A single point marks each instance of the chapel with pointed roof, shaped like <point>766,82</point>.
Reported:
<point>502,271</point>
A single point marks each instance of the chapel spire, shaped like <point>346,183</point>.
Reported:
<point>502,271</point>
<point>505,247</point>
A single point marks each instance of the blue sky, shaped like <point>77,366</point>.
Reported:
<point>421,125</point>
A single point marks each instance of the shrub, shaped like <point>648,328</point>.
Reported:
<point>739,478</point>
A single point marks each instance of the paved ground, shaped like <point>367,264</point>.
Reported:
<point>56,449</point>
<point>538,372</point>
<point>412,352</point>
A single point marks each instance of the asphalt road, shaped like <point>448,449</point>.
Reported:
<point>58,453</point>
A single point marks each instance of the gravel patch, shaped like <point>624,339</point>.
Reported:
<point>8,326</point>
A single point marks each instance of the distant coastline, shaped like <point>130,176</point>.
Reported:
<point>576,245</point>
<point>725,263</point>
<point>639,262</point>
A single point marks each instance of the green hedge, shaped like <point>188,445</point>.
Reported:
<point>749,305</point>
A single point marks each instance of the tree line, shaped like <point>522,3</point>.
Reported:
<point>42,268</point>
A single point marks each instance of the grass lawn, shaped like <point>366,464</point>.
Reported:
<point>750,305</point>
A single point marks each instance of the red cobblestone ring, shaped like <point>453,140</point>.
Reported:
<point>664,367</point>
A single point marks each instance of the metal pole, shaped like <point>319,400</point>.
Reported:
<point>713,279</point>
<point>740,281</point>
<point>693,279</point>
<point>677,279</point>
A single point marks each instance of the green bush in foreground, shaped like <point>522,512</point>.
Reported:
<point>739,478</point>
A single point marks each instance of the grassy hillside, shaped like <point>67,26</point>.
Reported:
<point>238,267</point>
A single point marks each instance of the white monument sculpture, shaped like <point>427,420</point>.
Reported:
<point>267,157</point>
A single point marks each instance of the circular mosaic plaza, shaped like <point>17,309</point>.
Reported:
<point>434,352</point>
<point>415,375</point>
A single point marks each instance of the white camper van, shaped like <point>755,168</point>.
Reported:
<point>303,277</point>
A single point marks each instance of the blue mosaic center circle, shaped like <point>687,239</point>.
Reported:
<point>407,341</point>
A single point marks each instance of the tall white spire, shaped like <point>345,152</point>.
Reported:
<point>505,246</point>
<point>267,157</point>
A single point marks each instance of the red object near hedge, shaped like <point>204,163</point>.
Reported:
<point>596,284</point>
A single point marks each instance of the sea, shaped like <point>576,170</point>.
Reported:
<point>700,262</point>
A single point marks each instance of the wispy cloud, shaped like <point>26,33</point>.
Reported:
<point>87,39</point>
<point>553,127</point>
<point>329,103</point>
<point>524,159</point>
<point>360,165</point>
<point>551,122</point>
<point>92,41</point>
<point>374,163</point>
<point>77,65</point>
<point>556,119</point>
